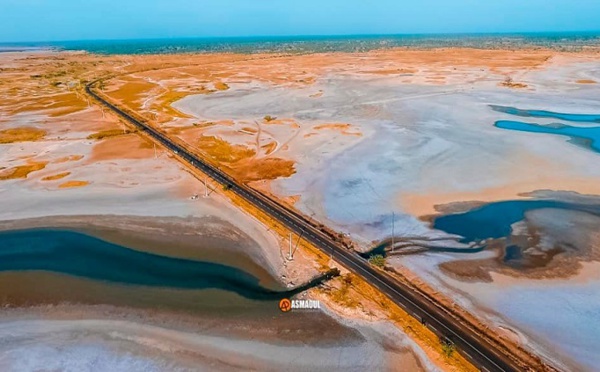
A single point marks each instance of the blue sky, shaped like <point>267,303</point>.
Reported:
<point>51,20</point>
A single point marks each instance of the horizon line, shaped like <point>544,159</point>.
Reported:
<point>300,36</point>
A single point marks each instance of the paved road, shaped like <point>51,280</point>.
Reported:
<point>475,348</point>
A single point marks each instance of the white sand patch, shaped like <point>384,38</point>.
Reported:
<point>92,344</point>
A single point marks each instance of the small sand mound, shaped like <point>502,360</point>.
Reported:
<point>219,85</point>
<point>249,130</point>
<point>56,176</point>
<point>70,184</point>
<point>109,133</point>
<point>398,71</point>
<point>269,147</point>
<point>343,128</point>
<point>68,158</point>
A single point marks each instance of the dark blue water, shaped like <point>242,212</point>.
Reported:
<point>580,118</point>
<point>315,44</point>
<point>512,253</point>
<point>84,256</point>
<point>494,220</point>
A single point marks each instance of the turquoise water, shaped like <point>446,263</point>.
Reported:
<point>84,256</point>
<point>494,220</point>
<point>588,137</point>
<point>580,118</point>
<point>312,44</point>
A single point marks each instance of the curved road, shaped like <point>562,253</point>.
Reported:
<point>478,350</point>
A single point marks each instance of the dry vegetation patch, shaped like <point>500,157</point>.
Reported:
<point>240,162</point>
<point>263,169</point>
<point>130,146</point>
<point>132,91</point>
<point>342,292</point>
<point>57,105</point>
<point>21,171</point>
<point>109,133</point>
<point>510,83</point>
<point>70,184</point>
<point>21,134</point>
<point>56,176</point>
<point>222,151</point>
<point>269,119</point>
<point>164,102</point>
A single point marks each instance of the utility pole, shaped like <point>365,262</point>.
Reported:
<point>290,255</point>
<point>298,242</point>
<point>155,157</point>
<point>393,218</point>
<point>206,187</point>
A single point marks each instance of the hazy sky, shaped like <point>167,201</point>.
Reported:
<point>49,20</point>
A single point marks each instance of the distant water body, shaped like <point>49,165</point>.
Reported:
<point>316,44</point>
<point>586,136</point>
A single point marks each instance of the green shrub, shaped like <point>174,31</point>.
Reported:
<point>448,347</point>
<point>377,260</point>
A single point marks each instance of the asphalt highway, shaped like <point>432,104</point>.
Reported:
<point>475,348</point>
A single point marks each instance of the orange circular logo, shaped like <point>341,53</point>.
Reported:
<point>285,305</point>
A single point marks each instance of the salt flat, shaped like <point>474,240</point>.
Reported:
<point>422,138</point>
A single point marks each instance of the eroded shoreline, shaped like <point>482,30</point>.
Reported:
<point>183,328</point>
